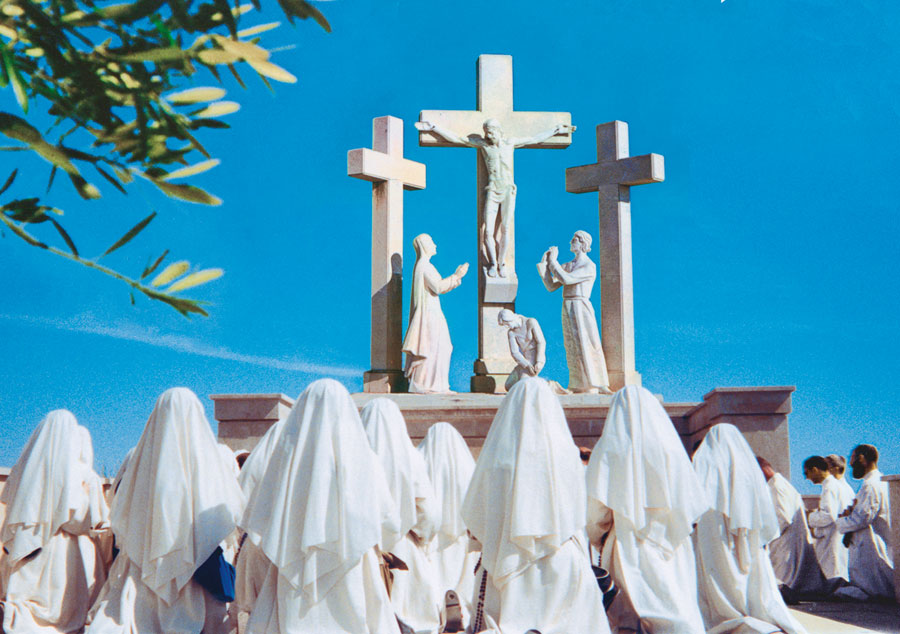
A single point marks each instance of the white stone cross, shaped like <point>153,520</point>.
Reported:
<point>612,176</point>
<point>390,174</point>
<point>494,101</point>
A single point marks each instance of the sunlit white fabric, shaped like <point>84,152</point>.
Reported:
<point>51,588</point>
<point>320,508</point>
<point>176,501</point>
<point>831,553</point>
<point>415,592</point>
<point>258,460</point>
<point>450,466</point>
<point>792,553</point>
<point>737,587</point>
<point>526,506</point>
<point>640,480</point>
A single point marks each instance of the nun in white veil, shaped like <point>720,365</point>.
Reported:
<point>737,586</point>
<point>318,515</point>
<point>415,593</point>
<point>644,497</point>
<point>526,506</point>
<point>176,501</point>
<point>49,572</point>
<point>450,466</point>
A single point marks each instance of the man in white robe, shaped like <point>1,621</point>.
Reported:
<point>837,465</point>
<point>830,552</point>
<point>321,510</point>
<point>644,497</point>
<point>737,586</point>
<point>427,342</point>
<point>176,501</point>
<point>450,466</point>
<point>415,592</point>
<point>792,553</point>
<point>867,527</point>
<point>526,507</point>
<point>51,570</point>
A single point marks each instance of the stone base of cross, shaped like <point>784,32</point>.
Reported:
<point>495,101</point>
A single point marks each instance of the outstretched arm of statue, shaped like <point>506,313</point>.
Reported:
<point>550,283</point>
<point>561,128</point>
<point>428,126</point>
<point>438,285</point>
<point>581,274</point>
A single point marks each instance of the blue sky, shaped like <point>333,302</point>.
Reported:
<point>767,257</point>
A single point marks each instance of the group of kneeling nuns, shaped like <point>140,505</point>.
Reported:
<point>337,523</point>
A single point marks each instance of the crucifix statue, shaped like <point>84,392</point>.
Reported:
<point>495,129</point>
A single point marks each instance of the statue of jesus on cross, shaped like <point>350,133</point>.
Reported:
<point>497,153</point>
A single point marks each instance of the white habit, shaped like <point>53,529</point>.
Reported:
<point>450,466</point>
<point>526,506</point>
<point>51,569</point>
<point>427,342</point>
<point>256,463</point>
<point>415,593</point>
<point>319,512</point>
<point>737,586</point>
<point>871,561</point>
<point>641,487</point>
<point>830,552</point>
<point>176,501</point>
<point>792,553</point>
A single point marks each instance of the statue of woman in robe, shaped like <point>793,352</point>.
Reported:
<point>427,342</point>
<point>584,353</point>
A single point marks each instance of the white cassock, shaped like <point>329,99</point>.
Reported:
<point>830,552</point>
<point>871,560</point>
<point>847,494</point>
<point>427,342</point>
<point>176,501</point>
<point>316,517</point>
<point>415,593</point>
<point>526,506</point>
<point>737,586</point>
<point>51,569</point>
<point>450,466</point>
<point>642,490</point>
<point>792,553</point>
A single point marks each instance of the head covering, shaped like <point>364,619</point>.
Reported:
<point>323,501</point>
<point>450,465</point>
<point>729,473</point>
<point>98,511</point>
<point>229,458</point>
<point>527,493</point>
<point>256,463</point>
<point>404,467</point>
<point>639,469</point>
<point>177,499</point>
<point>45,486</point>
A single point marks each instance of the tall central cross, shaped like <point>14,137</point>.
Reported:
<point>612,176</point>
<point>390,174</point>
<point>494,101</point>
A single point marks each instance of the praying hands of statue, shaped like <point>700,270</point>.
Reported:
<point>461,270</point>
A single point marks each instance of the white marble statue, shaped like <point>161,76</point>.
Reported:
<point>427,342</point>
<point>500,198</point>
<point>584,352</point>
<point>526,345</point>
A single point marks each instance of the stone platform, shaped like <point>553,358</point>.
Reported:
<point>761,413</point>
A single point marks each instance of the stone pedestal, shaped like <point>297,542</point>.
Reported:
<point>244,418</point>
<point>761,413</point>
<point>894,494</point>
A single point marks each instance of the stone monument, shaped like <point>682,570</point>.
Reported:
<point>390,174</point>
<point>465,128</point>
